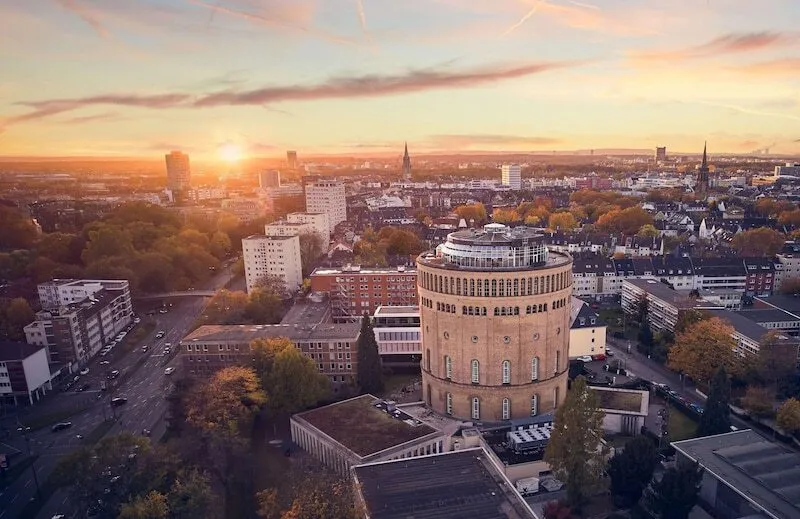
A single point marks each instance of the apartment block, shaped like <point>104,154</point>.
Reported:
<point>299,223</point>
<point>664,305</point>
<point>355,291</point>
<point>325,196</point>
<point>788,264</point>
<point>332,346</point>
<point>61,292</point>
<point>24,372</point>
<point>398,334</point>
<point>272,256</point>
<point>75,332</point>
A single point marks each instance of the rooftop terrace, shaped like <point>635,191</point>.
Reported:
<point>615,399</point>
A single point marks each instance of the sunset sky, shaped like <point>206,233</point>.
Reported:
<point>141,77</point>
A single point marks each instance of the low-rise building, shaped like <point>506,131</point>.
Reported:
<point>364,429</point>
<point>624,410</point>
<point>75,332</point>
<point>664,305</point>
<point>745,475</point>
<point>24,372</point>
<point>355,291</point>
<point>587,333</point>
<point>788,264</point>
<point>398,334</point>
<point>277,256</point>
<point>749,335</point>
<point>300,223</point>
<point>465,484</point>
<point>332,346</point>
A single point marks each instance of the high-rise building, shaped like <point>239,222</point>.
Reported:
<point>291,160</point>
<point>326,196</point>
<point>495,320</point>
<point>661,154</point>
<point>406,165</point>
<point>179,174</point>
<point>511,175</point>
<point>701,185</point>
<point>272,256</point>
<point>269,179</point>
<point>296,224</point>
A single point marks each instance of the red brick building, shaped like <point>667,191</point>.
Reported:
<point>354,290</point>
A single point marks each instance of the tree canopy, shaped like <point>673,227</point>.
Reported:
<point>574,451</point>
<point>674,496</point>
<point>631,470</point>
<point>370,371</point>
<point>702,348</point>
<point>716,417</point>
<point>789,416</point>
<point>475,212</point>
<point>761,242</point>
<point>625,221</point>
<point>292,380</point>
<point>228,403</point>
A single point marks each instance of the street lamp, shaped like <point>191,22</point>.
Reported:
<point>25,431</point>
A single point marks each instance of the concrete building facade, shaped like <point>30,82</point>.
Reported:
<point>326,196</point>
<point>272,256</point>
<point>511,175</point>
<point>24,372</point>
<point>179,174</point>
<point>495,318</point>
<point>62,292</point>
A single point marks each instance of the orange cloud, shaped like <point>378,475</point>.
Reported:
<point>735,43</point>
<point>777,67</point>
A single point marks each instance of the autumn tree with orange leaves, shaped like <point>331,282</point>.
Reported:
<point>703,347</point>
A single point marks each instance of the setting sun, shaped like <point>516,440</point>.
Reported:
<point>230,152</point>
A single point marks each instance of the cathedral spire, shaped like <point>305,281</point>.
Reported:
<point>406,164</point>
<point>704,165</point>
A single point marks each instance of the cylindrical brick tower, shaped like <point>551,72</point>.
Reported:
<point>495,317</point>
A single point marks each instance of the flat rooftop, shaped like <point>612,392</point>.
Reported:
<point>402,311</point>
<point>676,298</point>
<point>625,400</point>
<point>357,269</point>
<point>11,350</point>
<point>363,428</point>
<point>766,473</point>
<point>308,312</point>
<point>743,325</point>
<point>245,333</point>
<point>455,485</point>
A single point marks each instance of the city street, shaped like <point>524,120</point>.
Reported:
<point>145,390</point>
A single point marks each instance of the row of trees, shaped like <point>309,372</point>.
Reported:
<point>578,458</point>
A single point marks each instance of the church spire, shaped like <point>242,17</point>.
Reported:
<point>406,164</point>
<point>704,165</point>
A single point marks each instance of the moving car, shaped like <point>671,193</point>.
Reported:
<point>586,358</point>
<point>120,400</point>
<point>114,374</point>
<point>145,348</point>
<point>61,426</point>
<point>85,371</point>
<point>160,334</point>
<point>104,363</point>
<point>169,371</point>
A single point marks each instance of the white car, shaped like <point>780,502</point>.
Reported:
<point>85,371</point>
<point>585,358</point>
<point>169,371</point>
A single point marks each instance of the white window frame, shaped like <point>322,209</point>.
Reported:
<point>506,370</point>
<point>449,403</point>
<point>506,409</point>
<point>534,405</point>
<point>475,371</point>
<point>535,368</point>
<point>448,367</point>
<point>476,408</point>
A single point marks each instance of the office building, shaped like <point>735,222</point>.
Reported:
<point>24,372</point>
<point>790,169</point>
<point>269,179</point>
<point>277,256</point>
<point>511,175</point>
<point>291,160</point>
<point>355,290</point>
<point>326,196</point>
<point>62,292</point>
<point>398,335</point>
<point>495,317</point>
<point>744,475</point>
<point>179,174</point>
<point>661,154</point>
<point>74,332</point>
<point>361,430</point>
<point>333,347</point>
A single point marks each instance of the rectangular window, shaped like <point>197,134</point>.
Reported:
<point>476,409</point>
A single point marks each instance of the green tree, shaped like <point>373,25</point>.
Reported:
<point>19,232</point>
<point>151,506</point>
<point>370,370</point>
<point>716,417</point>
<point>674,496</point>
<point>293,383</point>
<point>191,497</point>
<point>574,451</point>
<point>648,231</point>
<point>631,470</point>
<point>789,416</point>
<point>311,248</point>
<point>688,318</point>
<point>59,247</point>
<point>225,307</point>
<point>106,241</point>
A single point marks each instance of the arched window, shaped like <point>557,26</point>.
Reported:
<point>449,403</point>
<point>534,405</point>
<point>506,372</point>
<point>476,408</point>
<point>506,409</point>
<point>448,367</point>
<point>535,368</point>
<point>476,372</point>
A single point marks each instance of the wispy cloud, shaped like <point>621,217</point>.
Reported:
<point>524,18</point>
<point>747,110</point>
<point>86,14</point>
<point>105,116</point>
<point>273,18</point>
<point>382,85</point>
<point>734,43</point>
<point>777,67</point>
<point>362,16</point>
<point>334,88</point>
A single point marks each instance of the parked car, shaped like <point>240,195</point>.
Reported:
<point>104,363</point>
<point>85,371</point>
<point>114,374</point>
<point>118,401</point>
<point>160,334</point>
<point>169,371</point>
<point>585,358</point>
<point>145,348</point>
<point>610,353</point>
<point>84,387</point>
<point>61,426</point>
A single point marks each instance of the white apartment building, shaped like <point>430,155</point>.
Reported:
<point>179,173</point>
<point>398,334</point>
<point>511,175</point>
<point>316,222</point>
<point>61,292</point>
<point>272,256</point>
<point>327,197</point>
<point>24,372</point>
<point>788,264</point>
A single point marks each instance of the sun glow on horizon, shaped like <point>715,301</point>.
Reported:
<point>230,152</point>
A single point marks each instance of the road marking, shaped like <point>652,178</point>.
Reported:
<point>28,483</point>
<point>14,498</point>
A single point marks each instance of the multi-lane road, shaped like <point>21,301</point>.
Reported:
<point>142,382</point>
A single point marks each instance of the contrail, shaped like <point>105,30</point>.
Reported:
<point>362,18</point>
<point>524,19</point>
<point>581,4</point>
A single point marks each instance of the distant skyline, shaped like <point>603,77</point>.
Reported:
<point>219,79</point>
